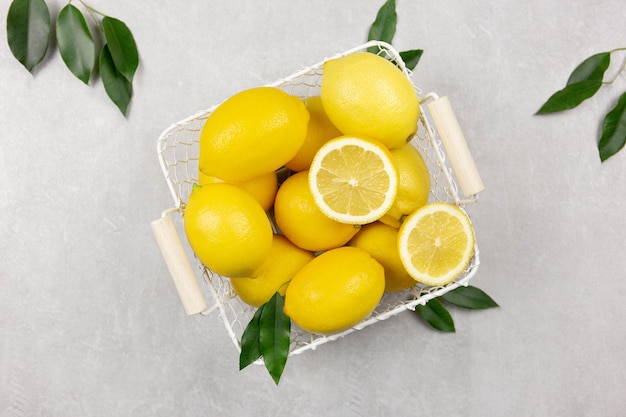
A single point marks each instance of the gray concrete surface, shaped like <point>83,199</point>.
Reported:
<point>90,322</point>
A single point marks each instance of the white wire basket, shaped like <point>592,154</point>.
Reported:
<point>445,152</point>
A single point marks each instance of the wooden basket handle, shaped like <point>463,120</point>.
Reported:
<point>178,265</point>
<point>456,146</point>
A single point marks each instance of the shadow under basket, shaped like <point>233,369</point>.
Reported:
<point>445,151</point>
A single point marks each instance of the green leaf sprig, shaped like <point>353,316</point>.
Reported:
<point>267,336</point>
<point>583,83</point>
<point>436,314</point>
<point>28,35</point>
<point>384,28</point>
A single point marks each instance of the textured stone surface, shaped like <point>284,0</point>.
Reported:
<point>90,323</point>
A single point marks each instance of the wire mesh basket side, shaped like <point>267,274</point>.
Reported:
<point>178,152</point>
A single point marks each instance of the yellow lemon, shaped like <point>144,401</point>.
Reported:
<point>381,241</point>
<point>353,180</point>
<point>335,291</point>
<point>413,186</point>
<point>319,131</point>
<point>281,264</point>
<point>263,188</point>
<point>436,243</point>
<point>366,95</point>
<point>302,222</point>
<point>227,229</point>
<point>252,133</point>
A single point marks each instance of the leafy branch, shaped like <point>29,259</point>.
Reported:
<point>28,35</point>
<point>583,83</point>
<point>267,337</point>
<point>384,29</point>
<point>436,314</point>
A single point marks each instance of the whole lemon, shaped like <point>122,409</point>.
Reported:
<point>302,222</point>
<point>319,131</point>
<point>263,188</point>
<point>381,241</point>
<point>227,229</point>
<point>281,264</point>
<point>413,184</point>
<point>366,95</point>
<point>252,133</point>
<point>335,291</point>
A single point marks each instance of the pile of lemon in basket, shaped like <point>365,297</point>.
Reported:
<point>352,217</point>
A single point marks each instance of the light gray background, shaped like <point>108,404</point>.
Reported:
<point>90,322</point>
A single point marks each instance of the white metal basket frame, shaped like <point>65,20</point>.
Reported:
<point>177,149</point>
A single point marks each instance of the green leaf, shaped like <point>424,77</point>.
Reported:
<point>592,68</point>
<point>613,130</point>
<point>436,315</point>
<point>118,88</point>
<point>28,31</point>
<point>469,297</point>
<point>75,42</point>
<point>570,96</point>
<point>411,58</point>
<point>250,344</point>
<point>274,335</point>
<point>384,26</point>
<point>122,46</point>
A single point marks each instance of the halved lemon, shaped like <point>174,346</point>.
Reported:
<point>353,180</point>
<point>436,243</point>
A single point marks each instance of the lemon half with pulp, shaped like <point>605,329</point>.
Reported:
<point>436,243</point>
<point>353,180</point>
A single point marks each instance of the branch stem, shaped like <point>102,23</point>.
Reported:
<point>621,68</point>
<point>93,12</point>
